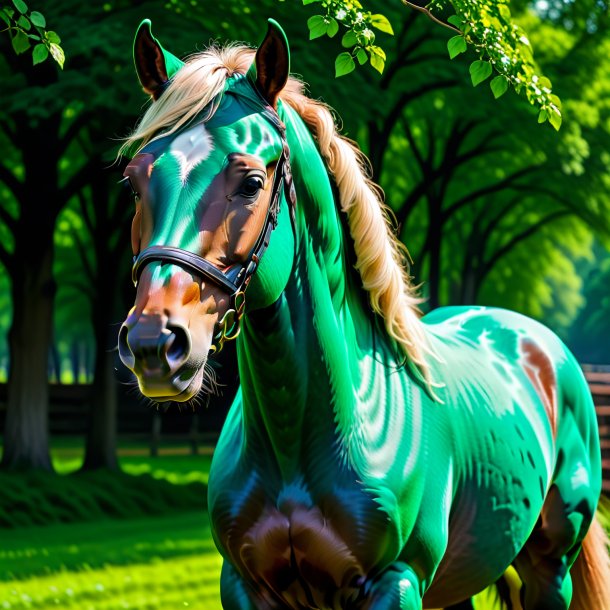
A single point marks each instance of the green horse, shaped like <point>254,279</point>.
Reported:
<point>373,459</point>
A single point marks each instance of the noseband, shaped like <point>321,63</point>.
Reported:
<point>236,278</point>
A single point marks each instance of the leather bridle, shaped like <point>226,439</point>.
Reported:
<point>235,279</point>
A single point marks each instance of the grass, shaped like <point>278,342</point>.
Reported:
<point>139,539</point>
<point>167,562</point>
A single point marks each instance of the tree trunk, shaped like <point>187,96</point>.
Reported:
<point>434,252</point>
<point>100,448</point>
<point>469,288</point>
<point>54,363</point>
<point>26,435</point>
<point>101,442</point>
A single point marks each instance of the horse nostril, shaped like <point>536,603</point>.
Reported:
<point>125,353</point>
<point>178,345</point>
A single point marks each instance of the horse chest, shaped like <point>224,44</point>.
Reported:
<point>299,556</point>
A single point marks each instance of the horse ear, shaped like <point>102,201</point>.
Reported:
<point>154,65</point>
<point>271,67</point>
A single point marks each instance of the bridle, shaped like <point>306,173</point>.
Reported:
<point>234,280</point>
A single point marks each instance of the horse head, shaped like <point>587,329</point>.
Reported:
<point>210,189</point>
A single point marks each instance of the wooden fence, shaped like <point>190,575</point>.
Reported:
<point>599,383</point>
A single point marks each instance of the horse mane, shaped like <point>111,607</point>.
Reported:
<point>381,259</point>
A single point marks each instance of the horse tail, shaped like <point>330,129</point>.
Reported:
<point>591,572</point>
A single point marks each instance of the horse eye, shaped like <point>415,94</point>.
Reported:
<point>251,186</point>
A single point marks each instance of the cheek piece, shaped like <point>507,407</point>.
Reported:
<point>234,281</point>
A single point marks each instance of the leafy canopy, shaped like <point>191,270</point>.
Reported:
<point>486,26</point>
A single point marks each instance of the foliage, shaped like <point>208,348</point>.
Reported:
<point>487,27</point>
<point>359,36</point>
<point>27,29</point>
<point>593,320</point>
<point>502,46</point>
<point>40,498</point>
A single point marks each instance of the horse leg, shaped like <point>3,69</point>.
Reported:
<point>235,594</point>
<point>545,560</point>
<point>397,588</point>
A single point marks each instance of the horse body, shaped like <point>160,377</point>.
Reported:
<point>365,462</point>
<point>352,472</point>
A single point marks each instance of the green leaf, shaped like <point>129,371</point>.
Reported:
<point>51,36</point>
<point>479,71</point>
<point>455,21</point>
<point>21,6</point>
<point>38,19</point>
<point>362,57</point>
<point>39,54</point>
<point>382,24</point>
<point>349,39</point>
<point>456,45</point>
<point>543,116</point>
<point>306,2</point>
<point>332,28</point>
<point>5,17</point>
<point>58,54</point>
<point>344,64</point>
<point>317,26</point>
<point>24,22</point>
<point>499,86</point>
<point>504,12</point>
<point>20,42</point>
<point>555,119</point>
<point>555,100</point>
<point>377,58</point>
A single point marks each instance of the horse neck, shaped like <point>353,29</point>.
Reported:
<point>302,360</point>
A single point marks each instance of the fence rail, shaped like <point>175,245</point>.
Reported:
<point>598,378</point>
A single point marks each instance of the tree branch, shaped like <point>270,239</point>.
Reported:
<point>77,181</point>
<point>395,113</point>
<point>80,246</point>
<point>7,260</point>
<point>425,11</point>
<point>82,287</point>
<point>11,134</point>
<point>516,239</point>
<point>82,202</point>
<point>11,182</point>
<point>73,129</point>
<point>488,190</point>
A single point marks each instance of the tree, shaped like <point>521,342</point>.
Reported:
<point>46,106</point>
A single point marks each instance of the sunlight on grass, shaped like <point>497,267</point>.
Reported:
<point>33,551</point>
<point>176,469</point>
<point>150,563</point>
<point>182,582</point>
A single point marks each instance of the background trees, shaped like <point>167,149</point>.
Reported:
<point>494,208</point>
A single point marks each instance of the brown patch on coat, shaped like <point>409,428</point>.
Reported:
<point>539,369</point>
<point>300,558</point>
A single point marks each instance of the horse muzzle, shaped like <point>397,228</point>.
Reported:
<point>160,354</point>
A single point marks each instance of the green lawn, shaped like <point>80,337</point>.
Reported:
<point>164,562</point>
<point>152,562</point>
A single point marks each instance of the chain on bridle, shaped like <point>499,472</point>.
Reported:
<point>236,278</point>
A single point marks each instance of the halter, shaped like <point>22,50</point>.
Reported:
<point>236,278</point>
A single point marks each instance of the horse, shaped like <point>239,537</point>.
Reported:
<point>373,459</point>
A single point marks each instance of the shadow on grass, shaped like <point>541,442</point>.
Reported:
<point>40,498</point>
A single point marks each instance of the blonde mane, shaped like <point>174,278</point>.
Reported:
<point>381,257</point>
